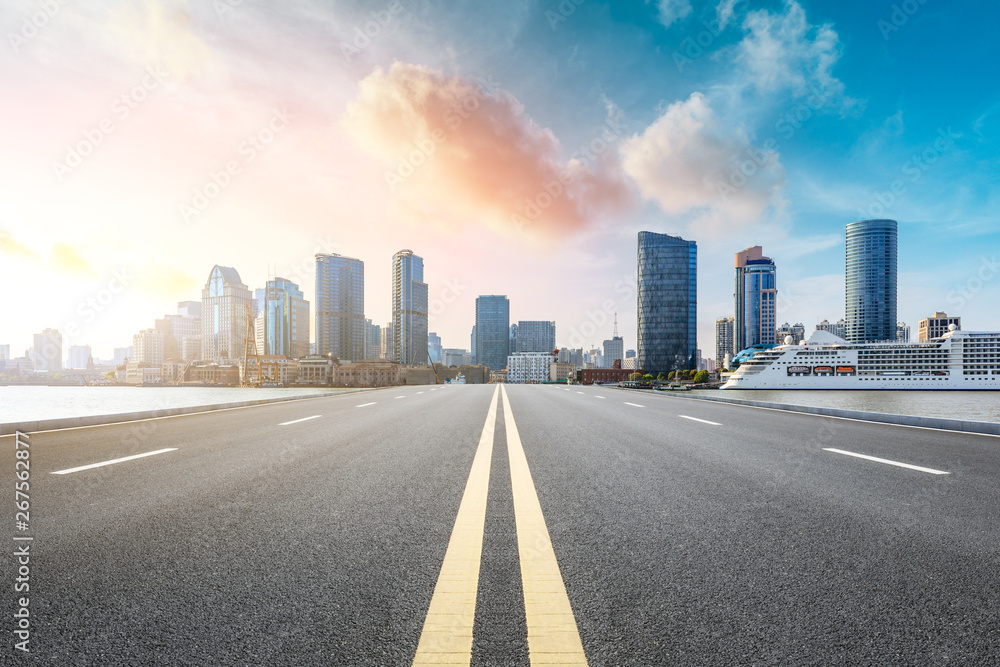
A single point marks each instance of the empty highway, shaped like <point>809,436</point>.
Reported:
<point>526,525</point>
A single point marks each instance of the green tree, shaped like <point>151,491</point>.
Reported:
<point>647,378</point>
<point>701,377</point>
<point>671,375</point>
<point>661,377</point>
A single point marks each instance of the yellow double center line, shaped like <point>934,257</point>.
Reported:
<point>553,638</point>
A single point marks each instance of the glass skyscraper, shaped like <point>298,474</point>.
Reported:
<point>492,331</point>
<point>668,303</point>
<point>534,336</point>
<point>871,281</point>
<point>225,303</point>
<point>340,307</point>
<point>409,309</point>
<point>286,320</point>
<point>756,297</point>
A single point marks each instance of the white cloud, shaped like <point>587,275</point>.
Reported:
<point>725,12</point>
<point>783,51</point>
<point>693,165</point>
<point>672,11</point>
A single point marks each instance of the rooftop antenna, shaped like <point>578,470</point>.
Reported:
<point>615,334</point>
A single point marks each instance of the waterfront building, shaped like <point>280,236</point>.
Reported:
<point>225,302</point>
<point>492,331</point>
<point>667,302</point>
<point>512,346</point>
<point>902,332</point>
<point>838,328</point>
<point>46,352</point>
<point>148,345</point>
<point>871,281</point>
<point>725,341</point>
<point>529,367</point>
<point>78,356</point>
<point>936,326</point>
<point>797,331</point>
<point>283,321</point>
<point>534,336</point>
<point>409,309</point>
<point>756,298</point>
<point>456,357</point>
<point>387,347</point>
<point>340,306</point>
<point>5,351</point>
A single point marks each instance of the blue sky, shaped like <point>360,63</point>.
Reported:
<point>833,112</point>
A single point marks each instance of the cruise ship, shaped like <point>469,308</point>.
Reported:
<point>959,360</point>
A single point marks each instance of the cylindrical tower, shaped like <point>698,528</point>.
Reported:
<point>871,281</point>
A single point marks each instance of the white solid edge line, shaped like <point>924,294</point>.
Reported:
<point>113,461</point>
<point>598,397</point>
<point>579,392</point>
<point>364,405</point>
<point>296,421</point>
<point>703,421</point>
<point>892,463</point>
<point>635,405</point>
<point>401,397</point>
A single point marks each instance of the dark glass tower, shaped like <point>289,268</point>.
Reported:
<point>871,281</point>
<point>668,303</point>
<point>492,331</point>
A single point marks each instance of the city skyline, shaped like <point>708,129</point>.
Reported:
<point>105,238</point>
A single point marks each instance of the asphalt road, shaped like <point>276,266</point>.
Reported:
<point>686,533</point>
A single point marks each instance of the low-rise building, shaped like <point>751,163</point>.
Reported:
<point>561,372</point>
<point>315,369</point>
<point>372,373</point>
<point>595,375</point>
<point>529,367</point>
<point>936,326</point>
<point>141,372</point>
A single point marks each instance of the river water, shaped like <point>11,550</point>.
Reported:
<point>968,405</point>
<point>30,403</point>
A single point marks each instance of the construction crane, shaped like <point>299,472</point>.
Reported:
<point>250,343</point>
<point>180,376</point>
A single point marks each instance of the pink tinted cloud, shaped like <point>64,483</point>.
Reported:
<point>456,154</point>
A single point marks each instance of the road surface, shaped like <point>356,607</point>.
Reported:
<point>580,524</point>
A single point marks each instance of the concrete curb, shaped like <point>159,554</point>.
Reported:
<point>983,428</point>
<point>97,420</point>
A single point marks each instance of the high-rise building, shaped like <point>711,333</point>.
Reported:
<point>756,297</point>
<point>189,308</point>
<point>871,281</point>
<point>373,341</point>
<point>456,357</point>
<point>472,347</point>
<point>388,347</point>
<point>725,345</point>
<point>512,346</point>
<point>285,323</point>
<point>902,332</point>
<point>534,336</point>
<point>667,302</point>
<point>797,331</point>
<point>492,331</point>
<point>409,309</point>
<point>936,326</point>
<point>614,348</point>
<point>340,307</point>
<point>78,356</point>
<point>434,349</point>
<point>5,351</point>
<point>225,301</point>
<point>838,328</point>
<point>148,345</point>
<point>47,351</point>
